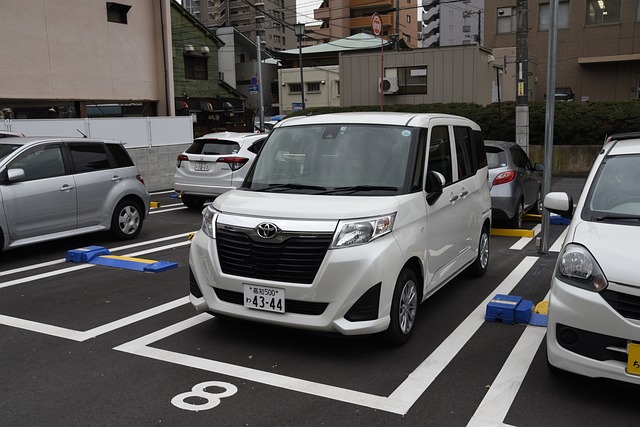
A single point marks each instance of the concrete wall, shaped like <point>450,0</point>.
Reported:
<point>157,165</point>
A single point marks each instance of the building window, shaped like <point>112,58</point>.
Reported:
<point>412,80</point>
<point>506,20</point>
<point>313,87</point>
<point>466,28</point>
<point>117,12</point>
<point>603,12</point>
<point>196,68</point>
<point>562,17</point>
<point>408,19</point>
<point>295,88</point>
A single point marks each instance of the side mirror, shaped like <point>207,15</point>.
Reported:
<point>538,167</point>
<point>16,174</point>
<point>559,203</point>
<point>435,184</point>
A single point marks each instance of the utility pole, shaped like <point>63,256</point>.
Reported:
<point>397,25</point>
<point>522,74</point>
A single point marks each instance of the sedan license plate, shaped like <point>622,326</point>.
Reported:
<point>202,166</point>
<point>633,361</point>
<point>264,298</point>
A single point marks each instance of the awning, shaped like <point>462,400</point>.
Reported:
<point>609,58</point>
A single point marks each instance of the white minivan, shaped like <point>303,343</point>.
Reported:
<point>346,222</point>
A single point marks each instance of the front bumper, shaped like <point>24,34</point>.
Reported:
<point>344,276</point>
<point>587,336</point>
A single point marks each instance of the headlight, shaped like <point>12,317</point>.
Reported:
<point>208,221</point>
<point>360,232</point>
<point>576,266</point>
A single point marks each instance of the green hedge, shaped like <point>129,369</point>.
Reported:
<point>575,123</point>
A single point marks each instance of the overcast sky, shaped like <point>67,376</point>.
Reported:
<point>305,9</point>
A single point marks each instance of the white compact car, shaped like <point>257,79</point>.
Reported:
<point>346,222</point>
<point>594,307</point>
<point>213,164</point>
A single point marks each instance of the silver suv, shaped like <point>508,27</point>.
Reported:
<point>52,188</point>
<point>214,164</point>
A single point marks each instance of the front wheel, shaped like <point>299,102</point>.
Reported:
<point>479,266</point>
<point>404,308</point>
<point>127,219</point>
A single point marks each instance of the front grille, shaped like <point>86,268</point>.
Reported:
<point>627,305</point>
<point>294,260</point>
<point>290,306</point>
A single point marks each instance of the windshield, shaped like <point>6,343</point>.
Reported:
<point>335,159</point>
<point>615,194</point>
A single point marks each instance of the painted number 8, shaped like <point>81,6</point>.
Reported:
<point>198,391</point>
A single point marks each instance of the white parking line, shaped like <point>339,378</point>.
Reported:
<point>74,335</point>
<point>496,404</point>
<point>558,243</point>
<point>120,248</point>
<point>399,402</point>
<point>523,241</point>
<point>167,210</point>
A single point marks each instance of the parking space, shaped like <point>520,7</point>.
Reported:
<point>124,347</point>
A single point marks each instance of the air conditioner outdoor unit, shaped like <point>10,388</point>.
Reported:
<point>388,85</point>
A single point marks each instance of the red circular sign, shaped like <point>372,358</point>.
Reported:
<point>376,24</point>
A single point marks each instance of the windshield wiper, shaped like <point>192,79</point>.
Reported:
<point>616,217</point>
<point>356,188</point>
<point>292,186</point>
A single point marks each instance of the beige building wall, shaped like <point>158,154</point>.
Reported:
<point>67,50</point>
<point>454,74</point>
<point>326,79</point>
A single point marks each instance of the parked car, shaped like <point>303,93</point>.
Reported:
<point>563,94</point>
<point>594,305</point>
<point>214,164</point>
<point>346,222</point>
<point>52,188</point>
<point>515,183</point>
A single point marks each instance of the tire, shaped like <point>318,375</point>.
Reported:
<point>516,221</point>
<point>127,219</point>
<point>404,308</point>
<point>479,266</point>
<point>192,202</point>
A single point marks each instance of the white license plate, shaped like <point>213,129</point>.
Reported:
<point>202,166</point>
<point>264,298</point>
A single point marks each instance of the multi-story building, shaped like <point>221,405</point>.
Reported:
<point>272,20</point>
<point>597,45</point>
<point>343,18</point>
<point>451,23</point>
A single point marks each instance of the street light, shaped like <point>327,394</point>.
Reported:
<point>299,30</point>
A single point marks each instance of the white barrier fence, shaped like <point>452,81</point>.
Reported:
<point>135,132</point>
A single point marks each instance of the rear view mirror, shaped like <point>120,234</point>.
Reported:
<point>16,174</point>
<point>559,203</point>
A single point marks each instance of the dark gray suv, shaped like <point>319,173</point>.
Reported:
<point>52,188</point>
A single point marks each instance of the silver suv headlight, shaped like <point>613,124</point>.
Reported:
<point>209,216</point>
<point>362,231</point>
<point>576,266</point>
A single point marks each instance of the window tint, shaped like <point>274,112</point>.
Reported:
<point>42,162</point>
<point>418,171</point>
<point>89,157</point>
<point>256,146</point>
<point>440,152</point>
<point>478,155</point>
<point>519,157</point>
<point>213,147</point>
<point>120,155</point>
<point>462,137</point>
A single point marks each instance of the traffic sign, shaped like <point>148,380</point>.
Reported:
<point>376,24</point>
<point>253,81</point>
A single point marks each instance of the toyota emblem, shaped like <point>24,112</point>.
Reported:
<point>267,230</point>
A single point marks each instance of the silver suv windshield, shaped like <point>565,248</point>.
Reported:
<point>615,194</point>
<point>335,159</point>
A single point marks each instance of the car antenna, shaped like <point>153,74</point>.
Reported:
<point>80,132</point>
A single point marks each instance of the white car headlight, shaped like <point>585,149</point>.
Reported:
<point>209,216</point>
<point>576,266</point>
<point>362,231</point>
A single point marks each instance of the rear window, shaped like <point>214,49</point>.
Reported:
<point>213,147</point>
<point>89,157</point>
<point>496,157</point>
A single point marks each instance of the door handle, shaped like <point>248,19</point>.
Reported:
<point>453,199</point>
<point>464,193</point>
<point>116,178</point>
<point>66,188</point>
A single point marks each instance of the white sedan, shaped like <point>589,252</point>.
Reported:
<point>594,307</point>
